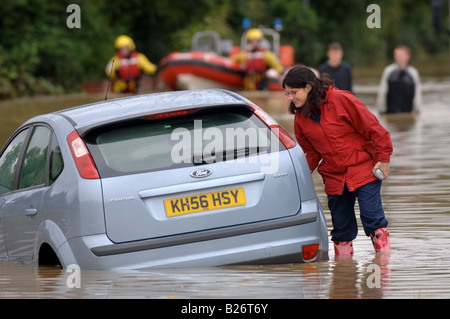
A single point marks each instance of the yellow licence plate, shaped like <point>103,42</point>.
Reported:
<point>178,206</point>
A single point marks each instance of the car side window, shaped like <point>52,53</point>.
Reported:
<point>9,160</point>
<point>56,161</point>
<point>34,163</point>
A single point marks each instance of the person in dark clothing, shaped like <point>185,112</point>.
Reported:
<point>338,70</point>
<point>400,88</point>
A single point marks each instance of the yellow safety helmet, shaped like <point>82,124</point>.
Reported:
<point>254,34</point>
<point>124,40</point>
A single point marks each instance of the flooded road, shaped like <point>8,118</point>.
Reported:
<point>416,199</point>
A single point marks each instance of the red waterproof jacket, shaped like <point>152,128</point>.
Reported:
<point>344,140</point>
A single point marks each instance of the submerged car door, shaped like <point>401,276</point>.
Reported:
<point>8,167</point>
<point>22,205</point>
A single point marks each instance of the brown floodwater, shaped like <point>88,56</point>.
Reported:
<point>416,199</point>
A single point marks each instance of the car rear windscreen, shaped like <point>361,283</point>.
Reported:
<point>204,137</point>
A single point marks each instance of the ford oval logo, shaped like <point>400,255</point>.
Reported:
<point>203,172</point>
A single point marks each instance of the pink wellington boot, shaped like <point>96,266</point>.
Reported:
<point>380,240</point>
<point>343,247</point>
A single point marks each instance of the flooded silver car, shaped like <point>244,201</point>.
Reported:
<point>416,201</point>
<point>175,179</point>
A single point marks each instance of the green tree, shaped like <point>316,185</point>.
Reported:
<point>39,54</point>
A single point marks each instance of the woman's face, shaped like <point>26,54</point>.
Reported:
<point>298,96</point>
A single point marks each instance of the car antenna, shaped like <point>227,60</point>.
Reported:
<point>109,81</point>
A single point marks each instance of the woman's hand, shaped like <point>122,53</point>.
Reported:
<point>384,166</point>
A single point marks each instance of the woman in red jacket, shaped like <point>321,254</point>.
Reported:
<point>347,144</point>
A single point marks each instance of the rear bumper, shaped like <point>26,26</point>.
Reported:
<point>267,242</point>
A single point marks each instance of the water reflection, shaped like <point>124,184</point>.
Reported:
<point>415,197</point>
<point>339,278</point>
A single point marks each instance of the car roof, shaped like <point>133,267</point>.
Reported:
<point>84,116</point>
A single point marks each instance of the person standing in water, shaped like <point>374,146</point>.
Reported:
<point>127,66</point>
<point>400,86</point>
<point>344,140</point>
<point>258,60</point>
<point>338,70</point>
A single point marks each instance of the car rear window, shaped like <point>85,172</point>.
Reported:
<point>204,137</point>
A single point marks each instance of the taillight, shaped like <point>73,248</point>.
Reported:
<point>83,159</point>
<point>165,115</point>
<point>310,251</point>
<point>276,128</point>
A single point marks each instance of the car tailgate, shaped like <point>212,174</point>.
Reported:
<point>172,202</point>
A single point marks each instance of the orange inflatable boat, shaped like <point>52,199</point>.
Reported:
<point>208,65</point>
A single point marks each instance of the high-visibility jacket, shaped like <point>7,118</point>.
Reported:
<point>258,60</point>
<point>343,139</point>
<point>255,61</point>
<point>126,68</point>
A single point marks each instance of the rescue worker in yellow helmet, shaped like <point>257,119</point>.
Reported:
<point>127,65</point>
<point>258,60</point>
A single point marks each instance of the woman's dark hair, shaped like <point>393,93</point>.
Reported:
<point>297,77</point>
